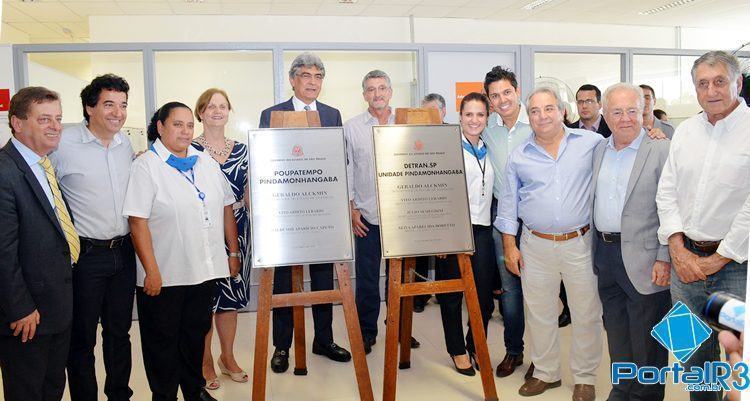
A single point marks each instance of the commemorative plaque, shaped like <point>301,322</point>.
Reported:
<point>422,196</point>
<point>299,197</point>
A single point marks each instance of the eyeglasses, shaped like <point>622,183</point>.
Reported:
<point>307,76</point>
<point>587,102</point>
<point>619,113</point>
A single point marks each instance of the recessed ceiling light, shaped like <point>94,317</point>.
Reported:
<point>536,4</point>
<point>347,1</point>
<point>665,7</point>
<point>193,1</point>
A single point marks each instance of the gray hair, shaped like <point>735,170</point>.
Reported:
<point>435,97</point>
<point>308,60</point>
<point>549,91</point>
<point>718,57</point>
<point>627,87</point>
<point>375,74</point>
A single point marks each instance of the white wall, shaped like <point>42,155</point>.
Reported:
<point>6,82</point>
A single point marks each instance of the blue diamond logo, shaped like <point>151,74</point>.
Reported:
<point>681,332</point>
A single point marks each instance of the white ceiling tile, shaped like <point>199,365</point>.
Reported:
<point>396,2</point>
<point>297,2</point>
<point>12,14</point>
<point>294,9</point>
<point>392,10</point>
<point>78,29</point>
<point>470,12</point>
<point>86,8</point>
<point>196,8</point>
<point>356,2</point>
<point>454,3</point>
<point>244,1</point>
<point>48,12</point>
<point>142,8</point>
<point>341,9</point>
<point>36,29</point>
<point>245,9</point>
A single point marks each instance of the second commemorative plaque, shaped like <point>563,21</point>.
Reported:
<point>422,196</point>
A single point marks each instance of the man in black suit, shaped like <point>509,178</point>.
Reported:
<point>37,246</point>
<point>589,102</point>
<point>306,77</point>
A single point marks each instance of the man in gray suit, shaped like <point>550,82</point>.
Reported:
<point>632,268</point>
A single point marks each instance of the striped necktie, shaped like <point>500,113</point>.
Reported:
<point>62,212</point>
<point>307,108</point>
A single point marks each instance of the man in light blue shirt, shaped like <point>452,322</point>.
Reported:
<point>507,128</point>
<point>547,185</point>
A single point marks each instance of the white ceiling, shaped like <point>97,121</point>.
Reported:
<point>63,20</point>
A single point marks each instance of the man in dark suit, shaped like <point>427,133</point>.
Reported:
<point>37,246</point>
<point>306,77</point>
<point>589,102</point>
<point>633,269</point>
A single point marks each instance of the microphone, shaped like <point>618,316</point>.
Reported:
<point>725,311</point>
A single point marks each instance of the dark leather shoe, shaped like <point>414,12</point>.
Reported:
<point>464,371</point>
<point>205,396</point>
<point>415,343</point>
<point>368,343</point>
<point>529,373</point>
<point>508,365</point>
<point>564,319</point>
<point>280,360</point>
<point>418,307</point>
<point>535,386</point>
<point>332,352</point>
<point>584,392</point>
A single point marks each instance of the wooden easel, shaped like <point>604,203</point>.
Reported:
<point>400,313</point>
<point>298,299</point>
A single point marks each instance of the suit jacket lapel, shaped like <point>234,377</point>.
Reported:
<point>640,161</point>
<point>41,197</point>
<point>598,157</point>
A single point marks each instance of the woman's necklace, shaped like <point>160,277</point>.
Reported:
<point>216,152</point>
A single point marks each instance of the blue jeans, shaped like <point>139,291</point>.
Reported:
<point>731,278</point>
<point>511,300</point>
<point>367,267</point>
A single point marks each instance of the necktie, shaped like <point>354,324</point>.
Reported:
<point>62,212</point>
<point>307,108</point>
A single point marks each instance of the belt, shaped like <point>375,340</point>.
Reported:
<point>700,246</point>
<point>562,237</point>
<point>106,243</point>
<point>608,238</point>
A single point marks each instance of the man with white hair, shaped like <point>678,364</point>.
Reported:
<point>632,269</point>
<point>547,186</point>
<point>704,196</point>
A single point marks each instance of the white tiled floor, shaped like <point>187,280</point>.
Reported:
<point>431,376</point>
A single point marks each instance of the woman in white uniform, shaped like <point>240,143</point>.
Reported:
<point>474,110</point>
<point>179,206</point>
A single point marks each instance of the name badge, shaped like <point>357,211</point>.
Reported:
<point>205,216</point>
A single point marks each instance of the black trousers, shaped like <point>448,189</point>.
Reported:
<point>422,269</point>
<point>321,278</point>
<point>483,266</point>
<point>34,370</point>
<point>628,319</point>
<point>103,288</point>
<point>173,328</point>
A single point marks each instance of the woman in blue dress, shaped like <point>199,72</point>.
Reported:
<point>212,109</point>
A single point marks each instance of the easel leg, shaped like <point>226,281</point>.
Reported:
<point>298,313</point>
<point>407,308</point>
<point>355,332</point>
<point>390,370</point>
<point>477,328</point>
<point>262,323</point>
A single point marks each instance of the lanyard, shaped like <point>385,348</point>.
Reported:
<point>191,180</point>
<point>482,166</point>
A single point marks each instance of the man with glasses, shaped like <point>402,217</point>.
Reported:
<point>704,196</point>
<point>588,101</point>
<point>306,77</point>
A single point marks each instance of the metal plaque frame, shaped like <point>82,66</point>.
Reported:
<point>293,196</point>
<point>443,205</point>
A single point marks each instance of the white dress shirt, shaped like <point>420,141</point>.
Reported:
<point>704,190</point>
<point>187,252</point>
<point>32,159</point>
<point>360,166</point>
<point>612,184</point>
<point>480,199</point>
<point>94,179</point>
<point>300,105</point>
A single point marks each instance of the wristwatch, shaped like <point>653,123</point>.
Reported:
<point>235,255</point>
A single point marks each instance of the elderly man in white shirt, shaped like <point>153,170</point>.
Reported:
<point>704,196</point>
